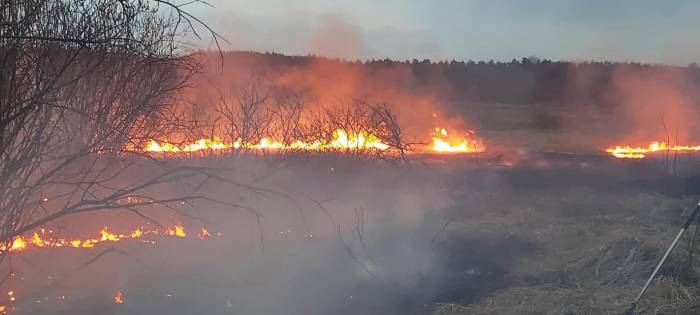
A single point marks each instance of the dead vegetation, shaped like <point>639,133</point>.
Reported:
<point>597,250</point>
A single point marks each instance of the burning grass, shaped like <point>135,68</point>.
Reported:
<point>640,152</point>
<point>259,121</point>
<point>47,238</point>
<point>340,142</point>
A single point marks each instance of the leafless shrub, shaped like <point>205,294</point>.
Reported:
<point>245,115</point>
<point>79,82</point>
<point>259,111</point>
<point>285,118</point>
<point>377,122</point>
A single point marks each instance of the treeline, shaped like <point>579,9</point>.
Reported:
<point>526,81</point>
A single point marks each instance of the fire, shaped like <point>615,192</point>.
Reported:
<point>444,143</point>
<point>203,233</point>
<point>360,140</point>
<point>18,244</point>
<point>341,141</point>
<point>118,298</point>
<point>202,144</point>
<point>628,152</point>
<point>47,239</point>
<point>177,230</point>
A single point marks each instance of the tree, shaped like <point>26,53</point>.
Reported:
<point>82,82</point>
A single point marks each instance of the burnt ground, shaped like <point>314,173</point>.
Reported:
<point>577,234</point>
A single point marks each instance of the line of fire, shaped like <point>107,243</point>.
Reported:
<point>143,171</point>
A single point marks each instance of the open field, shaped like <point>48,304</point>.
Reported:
<point>348,157</point>
<point>575,235</point>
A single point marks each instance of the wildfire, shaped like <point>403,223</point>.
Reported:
<point>199,145</point>
<point>444,143</point>
<point>628,152</point>
<point>47,239</point>
<point>203,233</point>
<point>341,141</point>
<point>118,298</point>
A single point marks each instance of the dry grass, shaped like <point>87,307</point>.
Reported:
<point>596,250</point>
<point>668,296</point>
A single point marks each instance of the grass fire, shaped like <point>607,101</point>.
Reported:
<point>340,141</point>
<point>628,152</point>
<point>345,157</point>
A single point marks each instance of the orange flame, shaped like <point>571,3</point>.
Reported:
<point>444,143</point>
<point>199,145</point>
<point>47,239</point>
<point>118,298</point>
<point>203,233</point>
<point>177,230</point>
<point>628,152</point>
<point>341,140</point>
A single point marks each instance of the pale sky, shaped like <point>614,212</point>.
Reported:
<point>645,31</point>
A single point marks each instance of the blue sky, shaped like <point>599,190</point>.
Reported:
<point>646,31</point>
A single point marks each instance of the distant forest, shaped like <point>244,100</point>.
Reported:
<point>526,81</point>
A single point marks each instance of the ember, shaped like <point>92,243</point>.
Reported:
<point>118,298</point>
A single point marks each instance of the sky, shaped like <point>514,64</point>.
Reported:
<point>642,30</point>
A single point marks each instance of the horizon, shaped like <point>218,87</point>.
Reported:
<point>436,61</point>
<point>617,31</point>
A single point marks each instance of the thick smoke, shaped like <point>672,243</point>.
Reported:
<point>420,102</point>
<point>334,237</point>
<point>655,104</point>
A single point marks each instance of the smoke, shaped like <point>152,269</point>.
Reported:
<point>337,237</point>
<point>621,104</point>
<point>655,104</point>
<point>421,102</point>
<point>337,37</point>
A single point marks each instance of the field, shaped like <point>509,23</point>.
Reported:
<point>554,234</point>
<point>528,229</point>
<point>160,159</point>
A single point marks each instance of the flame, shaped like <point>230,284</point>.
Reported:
<point>628,152</point>
<point>18,244</point>
<point>340,141</point>
<point>118,298</point>
<point>443,143</point>
<point>107,236</point>
<point>47,239</point>
<point>177,230</point>
<point>203,233</point>
<point>199,145</point>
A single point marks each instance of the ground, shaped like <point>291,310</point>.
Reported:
<point>564,231</point>
<point>594,235</point>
